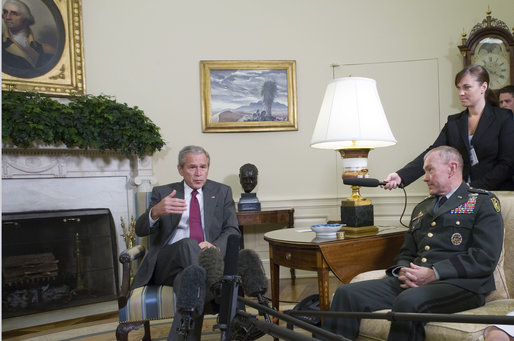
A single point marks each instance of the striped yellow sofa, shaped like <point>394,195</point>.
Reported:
<point>498,302</point>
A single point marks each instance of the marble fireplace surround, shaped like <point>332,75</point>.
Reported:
<point>59,178</point>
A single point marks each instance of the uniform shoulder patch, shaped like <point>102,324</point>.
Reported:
<point>496,204</point>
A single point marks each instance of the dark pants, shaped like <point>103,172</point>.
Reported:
<point>367,296</point>
<point>171,261</point>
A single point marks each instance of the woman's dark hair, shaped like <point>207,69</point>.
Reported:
<point>480,74</point>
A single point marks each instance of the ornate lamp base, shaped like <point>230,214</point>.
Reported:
<point>356,211</point>
<point>358,217</point>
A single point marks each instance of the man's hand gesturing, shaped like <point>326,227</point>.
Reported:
<point>169,205</point>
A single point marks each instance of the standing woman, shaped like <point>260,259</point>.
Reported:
<point>483,134</point>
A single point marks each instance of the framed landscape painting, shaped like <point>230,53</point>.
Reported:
<point>248,96</point>
<point>52,60</point>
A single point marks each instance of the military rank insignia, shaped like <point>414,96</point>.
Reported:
<point>420,214</point>
<point>466,208</point>
<point>456,239</point>
<point>496,205</point>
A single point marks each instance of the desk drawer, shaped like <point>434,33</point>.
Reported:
<point>303,259</point>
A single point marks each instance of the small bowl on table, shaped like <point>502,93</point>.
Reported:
<point>326,230</point>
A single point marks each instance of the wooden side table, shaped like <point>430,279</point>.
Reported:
<point>299,248</point>
<point>266,217</point>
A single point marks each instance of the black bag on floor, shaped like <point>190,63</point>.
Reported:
<point>309,303</point>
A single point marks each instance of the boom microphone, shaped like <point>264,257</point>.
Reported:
<point>254,281</point>
<point>229,288</point>
<point>211,260</point>
<point>365,182</point>
<point>252,273</point>
<point>231,255</point>
<point>190,297</point>
<point>191,291</point>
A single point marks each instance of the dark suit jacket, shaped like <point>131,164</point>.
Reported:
<point>493,142</point>
<point>219,217</point>
<point>462,240</point>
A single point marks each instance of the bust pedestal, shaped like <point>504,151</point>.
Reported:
<point>249,202</point>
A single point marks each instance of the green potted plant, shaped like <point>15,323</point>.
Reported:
<point>86,122</point>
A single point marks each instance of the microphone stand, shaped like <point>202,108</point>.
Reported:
<point>264,302</point>
<point>304,325</point>
<point>272,329</point>
<point>229,289</point>
<point>186,325</point>
<point>419,317</point>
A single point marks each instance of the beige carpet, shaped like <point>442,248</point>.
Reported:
<point>105,331</point>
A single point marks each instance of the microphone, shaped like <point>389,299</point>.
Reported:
<point>229,287</point>
<point>254,281</point>
<point>190,297</point>
<point>252,273</point>
<point>211,260</point>
<point>365,182</point>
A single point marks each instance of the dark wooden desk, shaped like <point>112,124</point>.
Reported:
<point>346,258</point>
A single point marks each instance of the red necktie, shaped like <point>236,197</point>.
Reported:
<point>195,218</point>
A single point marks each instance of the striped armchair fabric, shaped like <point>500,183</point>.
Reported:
<point>152,302</point>
<point>137,307</point>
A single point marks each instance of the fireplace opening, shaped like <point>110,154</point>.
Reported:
<point>57,259</point>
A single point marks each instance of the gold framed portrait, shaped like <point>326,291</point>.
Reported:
<point>42,47</point>
<point>248,96</point>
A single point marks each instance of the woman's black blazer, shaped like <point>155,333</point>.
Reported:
<point>493,142</point>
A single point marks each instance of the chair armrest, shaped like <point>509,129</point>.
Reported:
<point>130,255</point>
<point>126,258</point>
<point>372,274</point>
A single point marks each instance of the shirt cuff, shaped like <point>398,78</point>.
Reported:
<point>436,273</point>
<point>152,222</point>
<point>395,271</point>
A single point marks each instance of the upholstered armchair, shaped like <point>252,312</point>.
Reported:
<point>137,307</point>
<point>498,302</point>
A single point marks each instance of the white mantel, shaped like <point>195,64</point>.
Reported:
<point>58,178</point>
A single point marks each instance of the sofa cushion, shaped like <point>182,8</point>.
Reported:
<point>368,275</point>
<point>502,291</point>
<point>507,207</point>
<point>441,331</point>
<point>372,329</point>
<point>507,204</point>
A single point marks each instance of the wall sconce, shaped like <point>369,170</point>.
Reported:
<point>352,121</point>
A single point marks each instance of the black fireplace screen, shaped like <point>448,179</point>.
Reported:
<point>57,259</point>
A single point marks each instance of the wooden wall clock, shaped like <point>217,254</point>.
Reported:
<point>491,44</point>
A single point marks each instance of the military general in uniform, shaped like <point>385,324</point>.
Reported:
<point>446,262</point>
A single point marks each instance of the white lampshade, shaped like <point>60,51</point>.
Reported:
<point>352,116</point>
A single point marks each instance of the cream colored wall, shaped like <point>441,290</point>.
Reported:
<point>147,53</point>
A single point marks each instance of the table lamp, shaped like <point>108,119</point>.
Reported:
<point>352,121</point>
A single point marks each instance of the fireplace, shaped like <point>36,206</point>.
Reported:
<point>59,180</point>
<point>57,259</point>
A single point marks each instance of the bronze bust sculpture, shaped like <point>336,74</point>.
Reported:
<point>248,179</point>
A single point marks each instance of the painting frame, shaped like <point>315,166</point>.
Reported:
<point>233,83</point>
<point>63,73</point>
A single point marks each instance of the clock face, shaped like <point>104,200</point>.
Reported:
<point>492,54</point>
